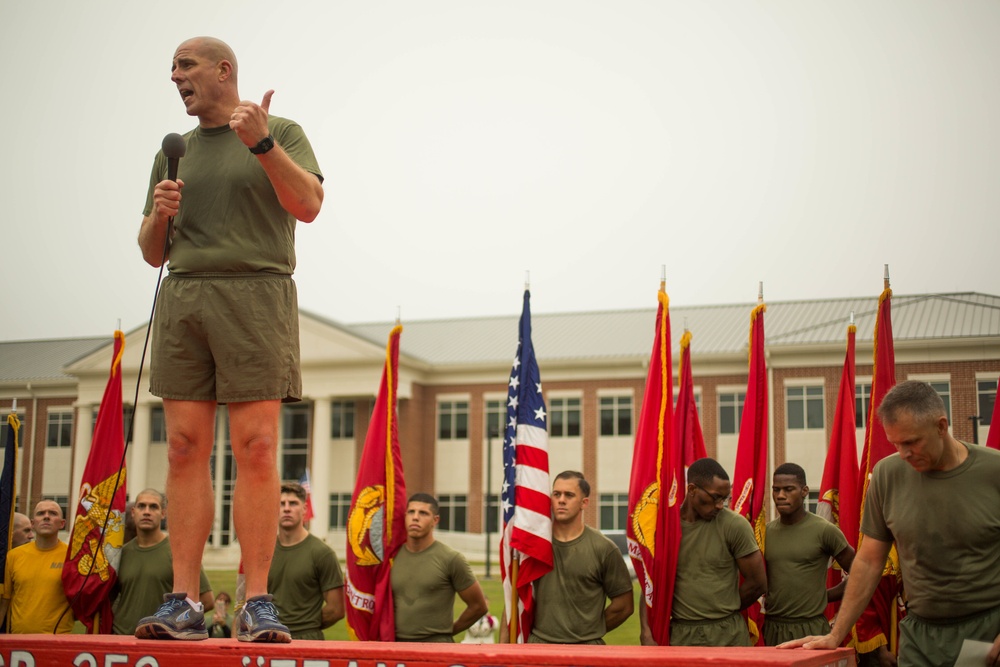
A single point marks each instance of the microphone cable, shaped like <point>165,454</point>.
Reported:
<point>131,425</point>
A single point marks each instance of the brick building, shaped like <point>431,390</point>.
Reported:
<point>452,388</point>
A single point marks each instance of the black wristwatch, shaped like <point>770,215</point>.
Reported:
<point>263,146</point>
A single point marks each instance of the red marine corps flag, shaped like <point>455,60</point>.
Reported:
<point>688,437</point>
<point>376,526</point>
<point>525,503</point>
<point>879,621</point>
<point>838,493</point>
<point>993,439</point>
<point>655,488</point>
<point>89,572</point>
<point>750,483</point>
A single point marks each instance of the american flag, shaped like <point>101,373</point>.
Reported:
<point>304,483</point>
<point>527,519</point>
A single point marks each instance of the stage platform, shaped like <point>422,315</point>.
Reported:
<point>114,651</point>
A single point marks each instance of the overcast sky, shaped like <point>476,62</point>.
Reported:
<point>802,144</point>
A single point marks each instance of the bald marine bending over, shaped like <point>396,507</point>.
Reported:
<point>226,323</point>
<point>939,499</point>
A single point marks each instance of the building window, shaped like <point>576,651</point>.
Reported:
<point>731,412</point>
<point>943,389</point>
<point>987,396</point>
<point>340,508</point>
<point>454,508</point>
<point>862,404</point>
<point>564,417</point>
<point>616,415</point>
<point>226,478</point>
<point>342,419</point>
<point>294,441</point>
<point>157,425</point>
<point>812,502</point>
<point>62,501</point>
<point>805,407</point>
<point>614,511</point>
<point>496,418</point>
<point>453,420</point>
<point>492,510</point>
<point>60,428</point>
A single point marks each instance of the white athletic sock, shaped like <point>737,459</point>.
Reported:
<point>197,606</point>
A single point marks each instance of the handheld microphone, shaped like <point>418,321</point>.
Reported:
<point>174,149</point>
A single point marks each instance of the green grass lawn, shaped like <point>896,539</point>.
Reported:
<point>626,634</point>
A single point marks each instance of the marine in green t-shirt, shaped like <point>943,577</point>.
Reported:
<point>717,547</point>
<point>426,575</point>
<point>937,498</point>
<point>305,577</point>
<point>145,570</point>
<point>798,546</point>
<point>571,600</point>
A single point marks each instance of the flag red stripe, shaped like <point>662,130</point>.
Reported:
<point>532,457</point>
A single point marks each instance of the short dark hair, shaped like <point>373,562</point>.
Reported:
<point>580,480</point>
<point>155,492</point>
<point>917,398</point>
<point>703,471</point>
<point>295,489</point>
<point>793,469</point>
<point>426,498</point>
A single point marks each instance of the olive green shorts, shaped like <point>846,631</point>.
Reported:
<point>226,337</point>
<point>781,630</point>
<point>727,631</point>
<point>934,643</point>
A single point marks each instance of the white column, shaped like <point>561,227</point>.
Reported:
<point>320,524</point>
<point>137,473</point>
<point>84,438</point>
<point>219,449</point>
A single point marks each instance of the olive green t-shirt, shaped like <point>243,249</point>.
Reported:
<point>570,599</point>
<point>298,578</point>
<point>230,219</point>
<point>946,526</point>
<point>423,592</point>
<point>707,586</point>
<point>797,558</point>
<point>145,575</point>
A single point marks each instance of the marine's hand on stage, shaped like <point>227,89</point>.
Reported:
<point>813,642</point>
<point>249,120</point>
<point>167,198</point>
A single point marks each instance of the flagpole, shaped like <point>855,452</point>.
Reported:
<point>512,634</point>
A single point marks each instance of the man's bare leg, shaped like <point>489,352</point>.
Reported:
<point>191,441</point>
<point>253,428</point>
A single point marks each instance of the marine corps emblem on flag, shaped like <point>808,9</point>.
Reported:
<point>833,509</point>
<point>87,528</point>
<point>366,525</point>
<point>644,518</point>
